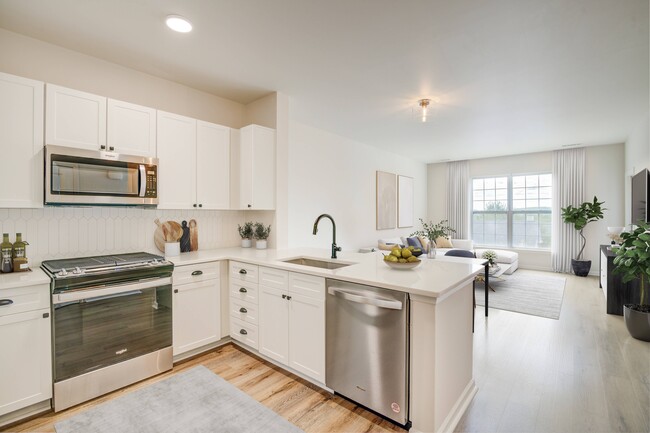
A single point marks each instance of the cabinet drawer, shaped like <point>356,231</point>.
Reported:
<point>244,332</point>
<point>23,299</point>
<point>274,278</point>
<point>196,273</point>
<point>244,310</point>
<point>244,292</point>
<point>307,285</point>
<point>243,272</point>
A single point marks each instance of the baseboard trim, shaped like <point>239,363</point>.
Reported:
<point>456,412</point>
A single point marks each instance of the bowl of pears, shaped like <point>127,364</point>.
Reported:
<point>403,258</point>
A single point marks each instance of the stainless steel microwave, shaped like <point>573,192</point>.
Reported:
<point>90,177</point>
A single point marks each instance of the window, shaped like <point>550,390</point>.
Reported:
<point>512,211</point>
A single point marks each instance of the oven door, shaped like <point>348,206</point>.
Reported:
<point>98,327</point>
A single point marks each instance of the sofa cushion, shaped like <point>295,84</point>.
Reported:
<point>442,242</point>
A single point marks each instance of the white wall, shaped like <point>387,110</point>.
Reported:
<point>31,58</point>
<point>637,157</point>
<point>331,174</point>
<point>605,167</point>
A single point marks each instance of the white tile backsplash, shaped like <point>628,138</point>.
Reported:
<point>59,232</point>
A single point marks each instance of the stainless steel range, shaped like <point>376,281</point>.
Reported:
<point>112,323</point>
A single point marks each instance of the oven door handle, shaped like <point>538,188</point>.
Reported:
<point>60,298</point>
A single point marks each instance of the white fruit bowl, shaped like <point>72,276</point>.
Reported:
<point>403,266</point>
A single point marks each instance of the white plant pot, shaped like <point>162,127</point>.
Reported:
<point>261,244</point>
<point>246,243</point>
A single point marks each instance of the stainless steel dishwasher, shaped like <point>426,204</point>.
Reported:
<point>367,347</point>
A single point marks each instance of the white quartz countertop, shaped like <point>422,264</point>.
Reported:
<point>433,278</point>
<point>23,279</point>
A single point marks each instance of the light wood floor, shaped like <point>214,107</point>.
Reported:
<point>582,373</point>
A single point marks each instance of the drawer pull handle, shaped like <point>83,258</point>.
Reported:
<point>243,310</point>
<point>242,290</point>
<point>46,315</point>
<point>175,290</point>
<point>4,302</point>
<point>243,332</point>
<point>195,273</point>
<point>243,271</point>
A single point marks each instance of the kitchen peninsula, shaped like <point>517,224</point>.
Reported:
<point>441,383</point>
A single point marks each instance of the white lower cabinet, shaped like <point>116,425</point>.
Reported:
<point>196,306</point>
<point>26,360</point>
<point>292,321</point>
<point>244,303</point>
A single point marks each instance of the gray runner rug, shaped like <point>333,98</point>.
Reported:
<point>196,400</point>
<point>521,292</point>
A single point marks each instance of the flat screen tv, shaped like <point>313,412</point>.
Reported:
<point>640,196</point>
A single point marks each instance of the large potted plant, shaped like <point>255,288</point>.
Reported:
<point>581,216</point>
<point>633,262</point>
<point>432,232</point>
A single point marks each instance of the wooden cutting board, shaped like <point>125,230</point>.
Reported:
<point>168,231</point>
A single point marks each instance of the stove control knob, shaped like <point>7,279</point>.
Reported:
<point>62,273</point>
<point>77,270</point>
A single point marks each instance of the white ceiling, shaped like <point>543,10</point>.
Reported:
<point>512,76</point>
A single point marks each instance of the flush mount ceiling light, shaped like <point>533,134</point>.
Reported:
<point>423,110</point>
<point>178,24</point>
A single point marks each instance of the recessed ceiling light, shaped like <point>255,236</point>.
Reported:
<point>178,24</point>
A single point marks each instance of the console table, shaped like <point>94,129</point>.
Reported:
<point>616,292</point>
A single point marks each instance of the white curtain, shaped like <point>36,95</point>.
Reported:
<point>568,189</point>
<point>457,198</point>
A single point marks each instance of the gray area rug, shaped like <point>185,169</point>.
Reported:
<point>525,293</point>
<point>193,401</point>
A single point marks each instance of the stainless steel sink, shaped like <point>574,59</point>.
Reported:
<point>315,263</point>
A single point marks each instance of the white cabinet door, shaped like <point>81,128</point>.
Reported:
<point>307,336</point>
<point>257,168</point>
<point>212,166</point>
<point>177,161</point>
<point>131,128</point>
<point>196,315</point>
<point>21,141</point>
<point>26,361</point>
<point>274,323</point>
<point>74,118</point>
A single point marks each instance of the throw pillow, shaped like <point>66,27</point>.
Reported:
<point>443,242</point>
<point>425,244</point>
<point>414,242</point>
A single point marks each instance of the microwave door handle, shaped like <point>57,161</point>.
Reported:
<point>143,180</point>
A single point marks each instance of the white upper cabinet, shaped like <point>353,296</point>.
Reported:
<point>177,161</point>
<point>194,163</point>
<point>212,166</point>
<point>256,167</point>
<point>131,128</point>
<point>21,141</point>
<point>74,118</point>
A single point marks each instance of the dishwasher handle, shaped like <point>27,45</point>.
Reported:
<point>351,296</point>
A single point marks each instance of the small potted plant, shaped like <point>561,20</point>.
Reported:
<point>246,233</point>
<point>490,256</point>
<point>432,232</point>
<point>262,233</point>
<point>581,216</point>
<point>633,262</point>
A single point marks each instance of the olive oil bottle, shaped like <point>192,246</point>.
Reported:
<point>20,262</point>
<point>6,252</point>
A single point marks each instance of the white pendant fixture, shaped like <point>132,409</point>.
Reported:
<point>178,24</point>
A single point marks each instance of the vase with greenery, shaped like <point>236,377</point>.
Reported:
<point>432,232</point>
<point>581,216</point>
<point>262,233</point>
<point>632,261</point>
<point>246,234</point>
